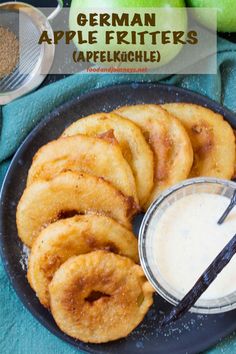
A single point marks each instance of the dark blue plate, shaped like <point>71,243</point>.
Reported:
<point>194,333</point>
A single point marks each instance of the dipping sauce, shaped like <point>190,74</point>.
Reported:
<point>186,240</point>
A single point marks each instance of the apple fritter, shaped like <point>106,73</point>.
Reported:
<point>90,155</point>
<point>212,139</point>
<point>99,297</point>
<point>71,237</point>
<point>169,141</point>
<point>234,174</point>
<point>130,138</point>
<point>67,194</point>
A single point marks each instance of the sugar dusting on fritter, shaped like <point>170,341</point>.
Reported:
<point>147,332</point>
<point>24,258</point>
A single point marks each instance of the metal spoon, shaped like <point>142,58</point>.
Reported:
<point>229,208</point>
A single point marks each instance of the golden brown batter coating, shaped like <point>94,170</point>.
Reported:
<point>69,193</point>
<point>212,139</point>
<point>99,297</point>
<point>90,155</point>
<point>132,143</point>
<point>71,237</point>
<point>173,154</point>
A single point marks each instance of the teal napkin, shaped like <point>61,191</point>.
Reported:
<point>20,333</point>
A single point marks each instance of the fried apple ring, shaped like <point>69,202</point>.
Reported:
<point>71,237</point>
<point>44,202</point>
<point>169,141</point>
<point>212,139</point>
<point>90,155</point>
<point>234,174</point>
<point>99,297</point>
<point>132,143</point>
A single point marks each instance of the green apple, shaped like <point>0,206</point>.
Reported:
<point>226,13</point>
<point>172,20</point>
<point>103,4</point>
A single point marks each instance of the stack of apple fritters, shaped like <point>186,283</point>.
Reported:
<point>83,190</point>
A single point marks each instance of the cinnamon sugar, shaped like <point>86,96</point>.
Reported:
<point>9,51</point>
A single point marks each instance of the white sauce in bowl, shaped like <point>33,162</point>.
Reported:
<point>187,239</point>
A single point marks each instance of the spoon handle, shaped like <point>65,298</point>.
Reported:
<point>202,283</point>
<point>228,210</point>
